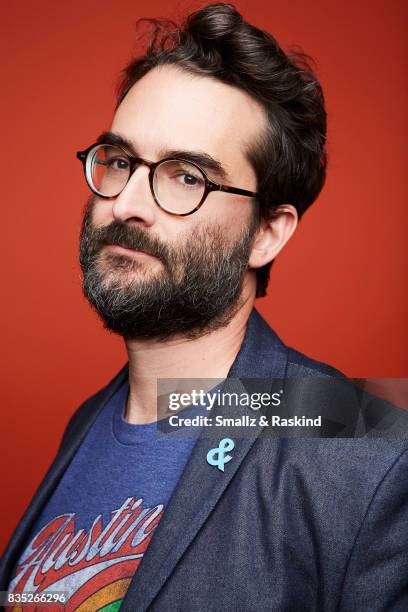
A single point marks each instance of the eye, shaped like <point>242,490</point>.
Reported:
<point>188,180</point>
<point>117,163</point>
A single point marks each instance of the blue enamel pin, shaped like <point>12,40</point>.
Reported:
<point>218,456</point>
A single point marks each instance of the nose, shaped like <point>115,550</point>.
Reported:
<point>135,203</point>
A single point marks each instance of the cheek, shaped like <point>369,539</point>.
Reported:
<point>227,211</point>
<point>101,213</point>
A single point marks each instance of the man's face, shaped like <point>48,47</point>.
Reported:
<point>176,275</point>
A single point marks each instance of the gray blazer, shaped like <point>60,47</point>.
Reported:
<point>292,524</point>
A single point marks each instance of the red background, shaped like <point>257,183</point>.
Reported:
<point>337,293</point>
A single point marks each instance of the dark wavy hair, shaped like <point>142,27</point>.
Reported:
<point>290,159</point>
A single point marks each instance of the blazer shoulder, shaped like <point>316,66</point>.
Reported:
<point>302,365</point>
<point>343,395</point>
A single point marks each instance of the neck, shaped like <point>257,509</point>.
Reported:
<point>209,356</point>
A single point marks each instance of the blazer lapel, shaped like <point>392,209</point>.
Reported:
<point>263,356</point>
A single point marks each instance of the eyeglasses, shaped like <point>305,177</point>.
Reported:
<point>178,186</point>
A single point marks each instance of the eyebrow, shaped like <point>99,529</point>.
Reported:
<point>202,159</point>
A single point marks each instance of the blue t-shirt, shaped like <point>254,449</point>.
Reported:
<point>91,536</point>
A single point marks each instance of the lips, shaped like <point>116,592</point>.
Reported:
<point>128,248</point>
<point>124,246</point>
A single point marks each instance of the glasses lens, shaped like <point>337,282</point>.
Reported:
<point>178,186</point>
<point>107,170</point>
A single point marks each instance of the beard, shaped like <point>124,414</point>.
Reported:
<point>196,289</point>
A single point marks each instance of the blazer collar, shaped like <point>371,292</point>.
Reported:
<point>262,353</point>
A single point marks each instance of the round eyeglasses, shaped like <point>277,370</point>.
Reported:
<point>178,186</point>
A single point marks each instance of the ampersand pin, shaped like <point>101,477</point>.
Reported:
<point>217,456</point>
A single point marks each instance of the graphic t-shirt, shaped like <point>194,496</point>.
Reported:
<point>91,536</point>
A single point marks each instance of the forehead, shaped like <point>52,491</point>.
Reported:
<point>171,108</point>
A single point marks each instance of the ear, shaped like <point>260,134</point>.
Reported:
<point>272,235</point>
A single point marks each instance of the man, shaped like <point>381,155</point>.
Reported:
<point>216,149</point>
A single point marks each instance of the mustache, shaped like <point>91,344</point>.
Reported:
<point>121,234</point>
